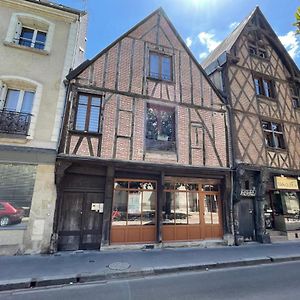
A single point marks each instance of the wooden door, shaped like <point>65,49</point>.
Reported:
<point>212,217</point>
<point>80,227</point>
<point>246,219</point>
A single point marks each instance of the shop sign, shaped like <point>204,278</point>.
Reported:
<point>285,183</point>
<point>248,193</point>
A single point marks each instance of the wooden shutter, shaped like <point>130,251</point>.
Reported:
<point>3,92</point>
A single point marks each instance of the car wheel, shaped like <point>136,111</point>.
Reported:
<point>4,221</point>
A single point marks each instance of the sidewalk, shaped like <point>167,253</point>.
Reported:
<point>72,267</point>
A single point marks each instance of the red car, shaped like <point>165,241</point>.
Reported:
<point>9,214</point>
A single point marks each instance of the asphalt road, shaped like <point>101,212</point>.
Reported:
<point>276,281</point>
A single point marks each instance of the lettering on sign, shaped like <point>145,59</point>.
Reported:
<point>285,183</point>
<point>248,193</point>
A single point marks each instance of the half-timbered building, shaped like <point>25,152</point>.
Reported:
<point>143,155</point>
<point>260,81</point>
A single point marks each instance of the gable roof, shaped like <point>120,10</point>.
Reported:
<point>74,73</point>
<point>229,42</point>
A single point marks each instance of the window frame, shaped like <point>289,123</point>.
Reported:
<point>156,144</point>
<point>160,64</point>
<point>88,113</point>
<point>20,99</point>
<point>265,87</point>
<point>274,133</point>
<point>295,96</point>
<point>33,40</point>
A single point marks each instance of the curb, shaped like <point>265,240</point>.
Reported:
<point>26,283</point>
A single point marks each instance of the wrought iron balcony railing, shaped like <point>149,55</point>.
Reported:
<point>13,122</point>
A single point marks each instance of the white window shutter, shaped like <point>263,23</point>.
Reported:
<point>18,31</point>
<point>3,92</point>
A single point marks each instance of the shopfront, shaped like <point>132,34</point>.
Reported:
<point>190,210</point>
<point>282,211</point>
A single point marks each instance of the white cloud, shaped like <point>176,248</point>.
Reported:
<point>189,41</point>
<point>208,39</point>
<point>291,43</point>
<point>233,25</point>
<point>202,55</point>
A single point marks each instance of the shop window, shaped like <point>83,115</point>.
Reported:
<point>273,135</point>
<point>30,31</point>
<point>264,87</point>
<point>17,101</point>
<point>160,66</point>
<point>134,203</point>
<point>160,131</point>
<point>16,190</point>
<point>181,205</point>
<point>89,113</point>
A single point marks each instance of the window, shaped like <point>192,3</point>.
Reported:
<point>264,87</point>
<point>32,38</point>
<point>273,135</point>
<point>89,113</point>
<point>30,31</point>
<point>256,45</point>
<point>295,92</point>
<point>19,101</point>
<point>15,115</point>
<point>134,203</point>
<point>160,132</point>
<point>160,66</point>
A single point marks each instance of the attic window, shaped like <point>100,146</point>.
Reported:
<point>256,45</point>
<point>160,66</point>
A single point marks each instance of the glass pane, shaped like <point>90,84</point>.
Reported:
<point>149,206</point>
<point>169,209</point>
<point>119,211</point>
<point>167,128</point>
<point>266,125</point>
<point>276,127</point>
<point>215,210</point>
<point>193,208</point>
<point>40,40</point>
<point>26,37</point>
<point>27,102</point>
<point>134,207</point>
<point>142,185</point>
<point>154,65</point>
<point>267,88</point>
<point>181,208</point>
<point>166,68</point>
<point>81,116</point>
<point>12,100</point>
<point>152,124</point>
<point>257,86</point>
<point>94,119</point>
<point>83,99</point>
<point>96,101</point>
<point>210,187</point>
<point>169,186</point>
<point>121,184</point>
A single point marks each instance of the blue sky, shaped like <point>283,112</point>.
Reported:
<point>201,23</point>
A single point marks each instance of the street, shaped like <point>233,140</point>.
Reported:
<point>276,281</point>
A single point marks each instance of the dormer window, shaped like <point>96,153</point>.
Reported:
<point>160,66</point>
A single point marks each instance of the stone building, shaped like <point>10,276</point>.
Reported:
<point>143,155</point>
<point>39,42</point>
<point>260,81</point>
